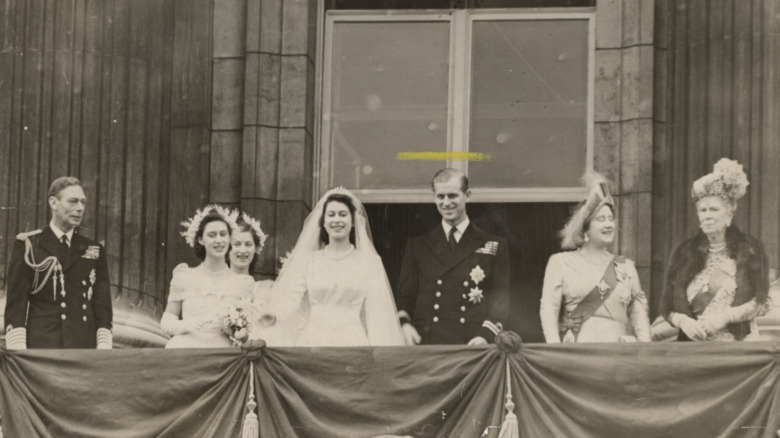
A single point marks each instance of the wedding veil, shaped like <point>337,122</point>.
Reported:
<point>380,315</point>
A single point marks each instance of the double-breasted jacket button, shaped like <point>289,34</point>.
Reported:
<point>438,282</point>
<point>436,307</point>
<point>462,308</point>
<point>463,320</point>
<point>435,318</point>
<point>438,294</point>
<point>464,296</point>
<point>84,318</point>
<point>84,306</point>
<point>63,305</point>
<point>63,316</point>
<point>466,283</point>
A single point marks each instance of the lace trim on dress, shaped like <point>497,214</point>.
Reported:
<point>715,261</point>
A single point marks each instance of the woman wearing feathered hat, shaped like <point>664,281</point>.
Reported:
<point>717,282</point>
<point>589,294</point>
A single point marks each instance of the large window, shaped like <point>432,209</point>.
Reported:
<point>504,95</point>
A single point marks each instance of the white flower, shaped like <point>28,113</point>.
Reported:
<point>477,275</point>
<point>625,297</point>
<point>475,296</point>
<point>621,273</point>
<point>283,260</point>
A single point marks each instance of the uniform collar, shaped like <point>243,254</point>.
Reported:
<point>59,233</point>
<point>461,227</point>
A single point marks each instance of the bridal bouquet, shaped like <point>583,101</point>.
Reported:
<point>235,322</point>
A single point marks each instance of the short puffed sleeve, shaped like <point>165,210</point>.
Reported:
<point>179,282</point>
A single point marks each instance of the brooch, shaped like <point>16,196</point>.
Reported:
<point>603,288</point>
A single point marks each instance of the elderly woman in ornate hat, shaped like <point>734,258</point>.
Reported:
<point>589,294</point>
<point>717,282</point>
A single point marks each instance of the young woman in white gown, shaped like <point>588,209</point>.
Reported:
<point>334,291</point>
<point>246,245</point>
<point>199,295</point>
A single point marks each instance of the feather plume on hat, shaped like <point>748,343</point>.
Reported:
<point>599,195</point>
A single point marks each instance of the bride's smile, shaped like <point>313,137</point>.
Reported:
<point>338,221</point>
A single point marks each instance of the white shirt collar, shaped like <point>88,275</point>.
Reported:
<point>461,228</point>
<point>59,233</point>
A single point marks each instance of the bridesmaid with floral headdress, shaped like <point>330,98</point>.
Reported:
<point>199,295</point>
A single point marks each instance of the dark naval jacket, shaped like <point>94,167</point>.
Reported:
<point>63,317</point>
<point>443,291</point>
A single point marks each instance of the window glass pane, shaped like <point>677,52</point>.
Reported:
<point>529,102</point>
<point>389,94</point>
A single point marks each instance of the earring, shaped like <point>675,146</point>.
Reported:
<point>586,238</point>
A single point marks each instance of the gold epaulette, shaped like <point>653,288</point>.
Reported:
<point>27,235</point>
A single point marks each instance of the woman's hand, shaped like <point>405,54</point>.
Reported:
<point>267,320</point>
<point>695,330</point>
<point>715,322</point>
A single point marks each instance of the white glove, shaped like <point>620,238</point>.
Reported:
<point>716,322</point>
<point>411,337</point>
<point>173,326</point>
<point>16,338</point>
<point>478,340</point>
<point>692,328</point>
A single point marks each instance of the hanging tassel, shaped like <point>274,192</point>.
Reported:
<point>251,428</point>
<point>569,338</point>
<point>509,428</point>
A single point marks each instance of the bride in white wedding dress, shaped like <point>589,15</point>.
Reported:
<point>333,291</point>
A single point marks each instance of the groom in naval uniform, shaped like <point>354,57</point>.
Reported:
<point>58,285</point>
<point>454,282</point>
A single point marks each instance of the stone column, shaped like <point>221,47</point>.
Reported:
<point>623,133</point>
<point>278,121</point>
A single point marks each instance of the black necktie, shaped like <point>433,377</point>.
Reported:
<point>64,240</point>
<point>451,239</point>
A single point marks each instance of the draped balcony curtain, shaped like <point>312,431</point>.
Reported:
<point>598,390</point>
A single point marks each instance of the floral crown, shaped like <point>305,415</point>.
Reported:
<point>192,224</point>
<point>727,181</point>
<point>254,225</point>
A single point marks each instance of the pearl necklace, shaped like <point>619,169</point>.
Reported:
<point>340,256</point>
<point>717,244</point>
<point>598,261</point>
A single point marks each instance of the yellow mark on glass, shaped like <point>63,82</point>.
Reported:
<point>443,156</point>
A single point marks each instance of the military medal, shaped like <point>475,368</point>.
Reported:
<point>92,278</point>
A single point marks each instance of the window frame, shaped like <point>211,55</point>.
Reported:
<point>459,98</point>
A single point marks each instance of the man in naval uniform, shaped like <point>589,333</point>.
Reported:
<point>58,286</point>
<point>454,282</point>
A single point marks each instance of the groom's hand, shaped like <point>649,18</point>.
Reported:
<point>411,337</point>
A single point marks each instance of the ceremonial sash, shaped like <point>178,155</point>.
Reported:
<point>571,322</point>
<point>702,300</point>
